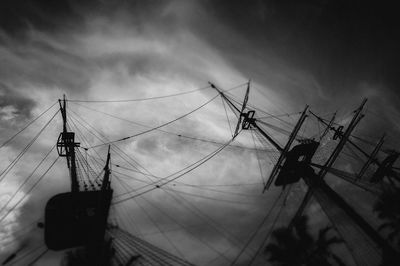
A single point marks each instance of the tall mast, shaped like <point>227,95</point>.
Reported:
<point>106,180</point>
<point>66,146</point>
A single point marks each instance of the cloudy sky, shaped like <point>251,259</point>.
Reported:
<point>328,54</point>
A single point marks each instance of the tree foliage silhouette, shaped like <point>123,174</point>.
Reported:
<point>296,246</point>
<point>388,209</point>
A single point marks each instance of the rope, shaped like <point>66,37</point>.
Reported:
<point>267,236</point>
<point>141,99</point>
<point>160,130</point>
<point>26,180</point>
<point>160,126</point>
<point>26,194</point>
<point>26,126</point>
<point>257,230</point>
<point>227,118</point>
<point>19,156</point>
<point>155,224</point>
<point>184,227</point>
<point>258,159</point>
<point>193,167</point>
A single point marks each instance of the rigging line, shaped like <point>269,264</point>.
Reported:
<point>131,220</point>
<point>27,125</point>
<point>30,190</point>
<point>179,183</point>
<point>207,219</point>
<point>38,257</point>
<point>141,99</point>
<point>199,163</point>
<point>258,159</point>
<point>227,118</point>
<point>157,254</point>
<point>84,139</point>
<point>221,191</point>
<point>154,222</point>
<point>191,167</point>
<point>209,198</point>
<point>276,128</point>
<point>129,157</point>
<point>267,236</point>
<point>4,173</point>
<point>223,185</point>
<point>185,227</point>
<point>213,198</point>
<point>187,185</point>
<point>257,229</point>
<point>26,180</point>
<point>219,143</point>
<point>157,127</point>
<point>160,130</point>
<point>113,145</point>
<point>262,138</point>
<point>260,110</point>
<point>273,156</point>
<point>282,115</point>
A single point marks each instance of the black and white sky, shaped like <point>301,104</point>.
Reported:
<point>328,54</point>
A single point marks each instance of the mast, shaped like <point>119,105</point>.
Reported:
<point>66,146</point>
<point>106,179</point>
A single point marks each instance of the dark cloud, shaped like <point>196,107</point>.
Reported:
<point>14,105</point>
<point>339,42</point>
<point>18,16</point>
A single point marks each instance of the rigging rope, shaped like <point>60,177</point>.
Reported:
<point>30,190</point>
<point>154,222</point>
<point>257,229</point>
<point>141,99</point>
<point>158,184</point>
<point>184,227</point>
<point>26,126</point>
<point>157,127</point>
<point>26,180</point>
<point>268,234</point>
<point>227,118</point>
<point>160,130</point>
<point>4,173</point>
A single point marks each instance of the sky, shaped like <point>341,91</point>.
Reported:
<point>327,54</point>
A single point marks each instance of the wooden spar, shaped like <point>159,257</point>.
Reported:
<point>246,98</point>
